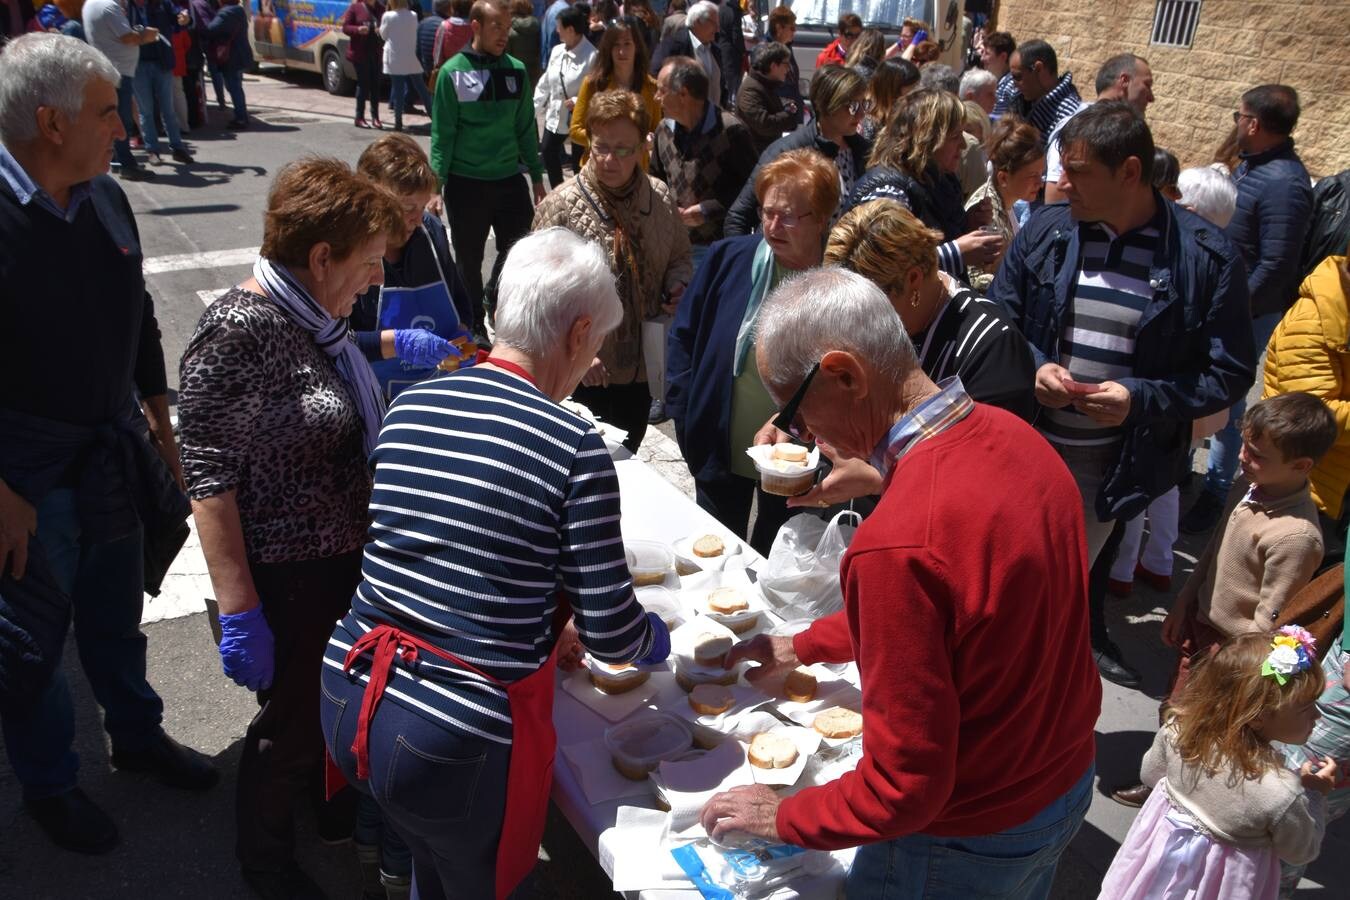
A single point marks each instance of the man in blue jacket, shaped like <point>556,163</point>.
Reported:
<point>1136,312</point>
<point>1274,212</point>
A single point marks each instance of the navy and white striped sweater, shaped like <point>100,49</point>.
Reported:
<point>489,498</point>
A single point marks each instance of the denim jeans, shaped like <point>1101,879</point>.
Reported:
<point>126,91</point>
<point>106,586</point>
<point>373,831</point>
<point>1017,864</point>
<point>234,83</point>
<point>443,790</point>
<point>1224,446</point>
<point>154,92</point>
<point>400,86</point>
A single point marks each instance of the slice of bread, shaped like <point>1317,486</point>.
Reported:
<point>837,722</point>
<point>711,699</point>
<point>800,686</point>
<point>790,453</point>
<point>708,546</point>
<point>711,649</point>
<point>688,682</point>
<point>617,679</point>
<point>772,751</point>
<point>727,600</point>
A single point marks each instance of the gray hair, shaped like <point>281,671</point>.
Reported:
<point>974,81</point>
<point>944,78</point>
<point>700,12</point>
<point>1209,192</point>
<point>830,309</point>
<point>550,279</point>
<point>42,69</point>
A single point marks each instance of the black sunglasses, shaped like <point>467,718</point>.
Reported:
<point>786,420</point>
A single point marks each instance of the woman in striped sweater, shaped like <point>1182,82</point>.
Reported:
<point>495,517</point>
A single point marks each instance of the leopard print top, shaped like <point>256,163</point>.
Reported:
<point>263,411</point>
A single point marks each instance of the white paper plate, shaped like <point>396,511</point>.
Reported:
<point>685,557</point>
<point>697,587</point>
<point>616,707</point>
<point>806,739</point>
<point>746,697</point>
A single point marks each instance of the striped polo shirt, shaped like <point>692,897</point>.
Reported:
<point>1097,344</point>
<point>489,499</point>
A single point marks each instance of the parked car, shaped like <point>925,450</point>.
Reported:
<point>305,35</point>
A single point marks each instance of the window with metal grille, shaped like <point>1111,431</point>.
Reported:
<point>1174,22</point>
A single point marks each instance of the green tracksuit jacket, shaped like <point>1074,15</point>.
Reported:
<point>482,120</point>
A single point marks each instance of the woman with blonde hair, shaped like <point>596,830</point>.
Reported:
<point>893,79</point>
<point>1016,166</point>
<point>866,53</point>
<point>635,218</point>
<point>915,161</point>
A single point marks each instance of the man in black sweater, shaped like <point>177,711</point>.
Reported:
<point>86,471</point>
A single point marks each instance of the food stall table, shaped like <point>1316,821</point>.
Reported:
<point>653,509</point>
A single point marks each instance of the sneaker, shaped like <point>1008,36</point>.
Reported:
<point>169,762</point>
<point>154,158</point>
<point>73,822</point>
<point>657,413</point>
<point>1203,516</point>
<point>182,156</point>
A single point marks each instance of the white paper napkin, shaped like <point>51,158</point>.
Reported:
<point>635,855</point>
<point>615,707</point>
<point>690,784</point>
<point>600,781</point>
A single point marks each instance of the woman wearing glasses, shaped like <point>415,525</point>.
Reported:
<point>634,217</point>
<point>714,392</point>
<point>838,99</point>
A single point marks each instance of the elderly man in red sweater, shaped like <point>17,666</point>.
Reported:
<point>965,606</point>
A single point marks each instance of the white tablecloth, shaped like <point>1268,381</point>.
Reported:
<point>652,510</point>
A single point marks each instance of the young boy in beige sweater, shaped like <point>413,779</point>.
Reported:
<point>1266,547</point>
<point>1269,544</point>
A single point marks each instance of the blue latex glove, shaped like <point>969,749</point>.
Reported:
<point>420,347</point>
<point>246,649</point>
<point>660,642</point>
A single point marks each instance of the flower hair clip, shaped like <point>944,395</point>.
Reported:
<point>1292,651</point>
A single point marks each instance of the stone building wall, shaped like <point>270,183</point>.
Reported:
<point>1238,45</point>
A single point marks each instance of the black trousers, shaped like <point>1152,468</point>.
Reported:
<point>368,86</point>
<point>474,206</point>
<point>192,89</point>
<point>284,746</point>
<point>551,150</point>
<point>1098,576</point>
<point>624,406</point>
<point>727,500</point>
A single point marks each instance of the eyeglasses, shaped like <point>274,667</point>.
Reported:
<point>786,420</point>
<point>856,107</point>
<point>1238,116</point>
<point>612,152</point>
<point>782,217</point>
<point>851,35</point>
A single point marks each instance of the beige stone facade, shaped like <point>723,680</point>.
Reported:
<point>1238,45</point>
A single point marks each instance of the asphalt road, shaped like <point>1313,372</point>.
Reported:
<point>198,226</point>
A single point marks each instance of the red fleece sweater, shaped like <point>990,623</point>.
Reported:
<point>965,605</point>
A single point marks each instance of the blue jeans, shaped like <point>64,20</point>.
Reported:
<point>126,90</point>
<point>1017,864</point>
<point>1224,446</point>
<point>234,83</point>
<point>106,586</point>
<point>373,831</point>
<point>399,87</point>
<point>154,88</point>
<point>443,790</point>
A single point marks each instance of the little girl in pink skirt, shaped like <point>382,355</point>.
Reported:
<point>1225,810</point>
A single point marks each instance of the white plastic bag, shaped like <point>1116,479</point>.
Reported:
<point>801,579</point>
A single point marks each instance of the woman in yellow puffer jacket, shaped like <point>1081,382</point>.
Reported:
<point>1310,351</point>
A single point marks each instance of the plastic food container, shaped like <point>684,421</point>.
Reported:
<point>783,478</point>
<point>637,746</point>
<point>663,602</point>
<point>648,561</point>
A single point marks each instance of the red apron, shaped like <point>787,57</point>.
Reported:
<point>529,776</point>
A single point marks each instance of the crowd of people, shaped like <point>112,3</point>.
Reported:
<point>935,277</point>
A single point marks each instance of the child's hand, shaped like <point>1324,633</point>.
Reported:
<point>1173,625</point>
<point>1323,780</point>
